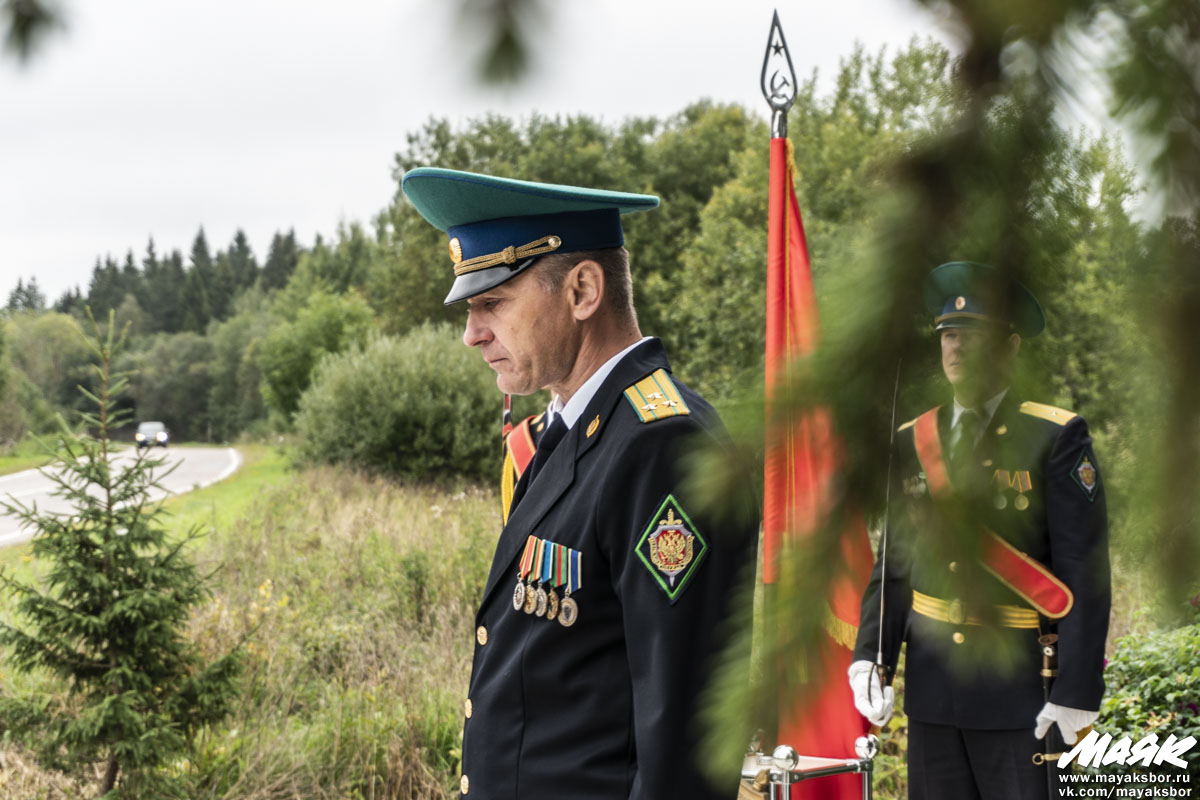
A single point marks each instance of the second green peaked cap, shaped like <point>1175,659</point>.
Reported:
<point>967,294</point>
<point>499,227</point>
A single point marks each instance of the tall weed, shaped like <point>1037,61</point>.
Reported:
<point>356,598</point>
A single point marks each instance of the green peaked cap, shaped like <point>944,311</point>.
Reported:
<point>966,294</point>
<point>499,227</point>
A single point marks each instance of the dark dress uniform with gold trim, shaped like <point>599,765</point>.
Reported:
<point>606,708</point>
<point>972,691</point>
<point>600,700</point>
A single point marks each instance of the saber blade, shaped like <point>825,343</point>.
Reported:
<point>887,501</point>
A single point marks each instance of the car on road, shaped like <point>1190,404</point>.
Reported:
<point>151,434</point>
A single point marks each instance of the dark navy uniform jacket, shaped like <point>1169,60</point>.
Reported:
<point>607,708</point>
<point>1048,501</point>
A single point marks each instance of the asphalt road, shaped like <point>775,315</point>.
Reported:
<point>197,467</point>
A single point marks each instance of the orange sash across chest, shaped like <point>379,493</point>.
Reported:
<point>519,450</point>
<point>519,444</point>
<point>1031,580</point>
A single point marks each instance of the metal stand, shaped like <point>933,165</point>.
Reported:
<point>785,767</point>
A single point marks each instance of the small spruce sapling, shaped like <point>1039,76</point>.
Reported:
<point>109,617</point>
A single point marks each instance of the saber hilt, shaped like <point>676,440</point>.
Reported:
<point>1049,645</point>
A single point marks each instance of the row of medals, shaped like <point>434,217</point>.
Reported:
<point>543,602</point>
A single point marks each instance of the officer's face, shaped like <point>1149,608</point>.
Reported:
<point>524,332</point>
<point>977,359</point>
<point>964,355</point>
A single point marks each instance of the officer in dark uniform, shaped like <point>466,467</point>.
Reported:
<point>996,572</point>
<point>603,611</point>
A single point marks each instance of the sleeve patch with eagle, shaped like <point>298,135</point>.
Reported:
<point>671,548</point>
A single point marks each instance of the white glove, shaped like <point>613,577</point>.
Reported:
<point>1070,721</point>
<point>872,699</point>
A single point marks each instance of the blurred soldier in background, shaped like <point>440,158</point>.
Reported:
<point>996,570</point>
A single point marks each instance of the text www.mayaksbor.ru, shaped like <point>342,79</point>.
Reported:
<point>1134,784</point>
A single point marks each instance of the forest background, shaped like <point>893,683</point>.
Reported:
<point>227,344</point>
<point>345,348</point>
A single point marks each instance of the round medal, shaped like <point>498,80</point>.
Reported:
<point>530,599</point>
<point>540,609</point>
<point>519,596</point>
<point>568,612</point>
<point>552,605</point>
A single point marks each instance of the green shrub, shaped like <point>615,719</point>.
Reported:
<point>1153,686</point>
<point>418,406</point>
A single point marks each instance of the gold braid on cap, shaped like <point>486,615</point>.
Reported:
<point>971,315</point>
<point>509,255</point>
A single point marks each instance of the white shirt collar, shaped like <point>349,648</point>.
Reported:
<point>579,401</point>
<point>988,411</point>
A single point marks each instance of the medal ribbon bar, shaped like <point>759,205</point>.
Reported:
<point>527,556</point>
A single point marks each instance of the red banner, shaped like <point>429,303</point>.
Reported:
<point>801,464</point>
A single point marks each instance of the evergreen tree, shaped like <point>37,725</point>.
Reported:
<point>194,308</point>
<point>151,275</point>
<point>165,293</point>
<point>202,259</point>
<point>104,291</point>
<point>195,302</point>
<point>150,260</point>
<point>69,302</point>
<point>14,297</point>
<point>131,277</point>
<point>111,621</point>
<point>25,298</point>
<point>223,289</point>
<point>281,261</point>
<point>245,267</point>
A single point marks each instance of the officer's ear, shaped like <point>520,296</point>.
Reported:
<point>1013,345</point>
<point>585,288</point>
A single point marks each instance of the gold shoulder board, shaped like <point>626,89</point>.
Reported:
<point>1059,416</point>
<point>656,397</point>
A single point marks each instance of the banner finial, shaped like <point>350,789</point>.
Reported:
<point>778,78</point>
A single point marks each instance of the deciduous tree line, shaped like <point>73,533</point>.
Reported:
<point>226,346</point>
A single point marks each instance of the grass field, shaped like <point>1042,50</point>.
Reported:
<point>353,598</point>
<point>26,454</point>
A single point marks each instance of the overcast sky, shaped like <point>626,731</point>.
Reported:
<point>150,118</point>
